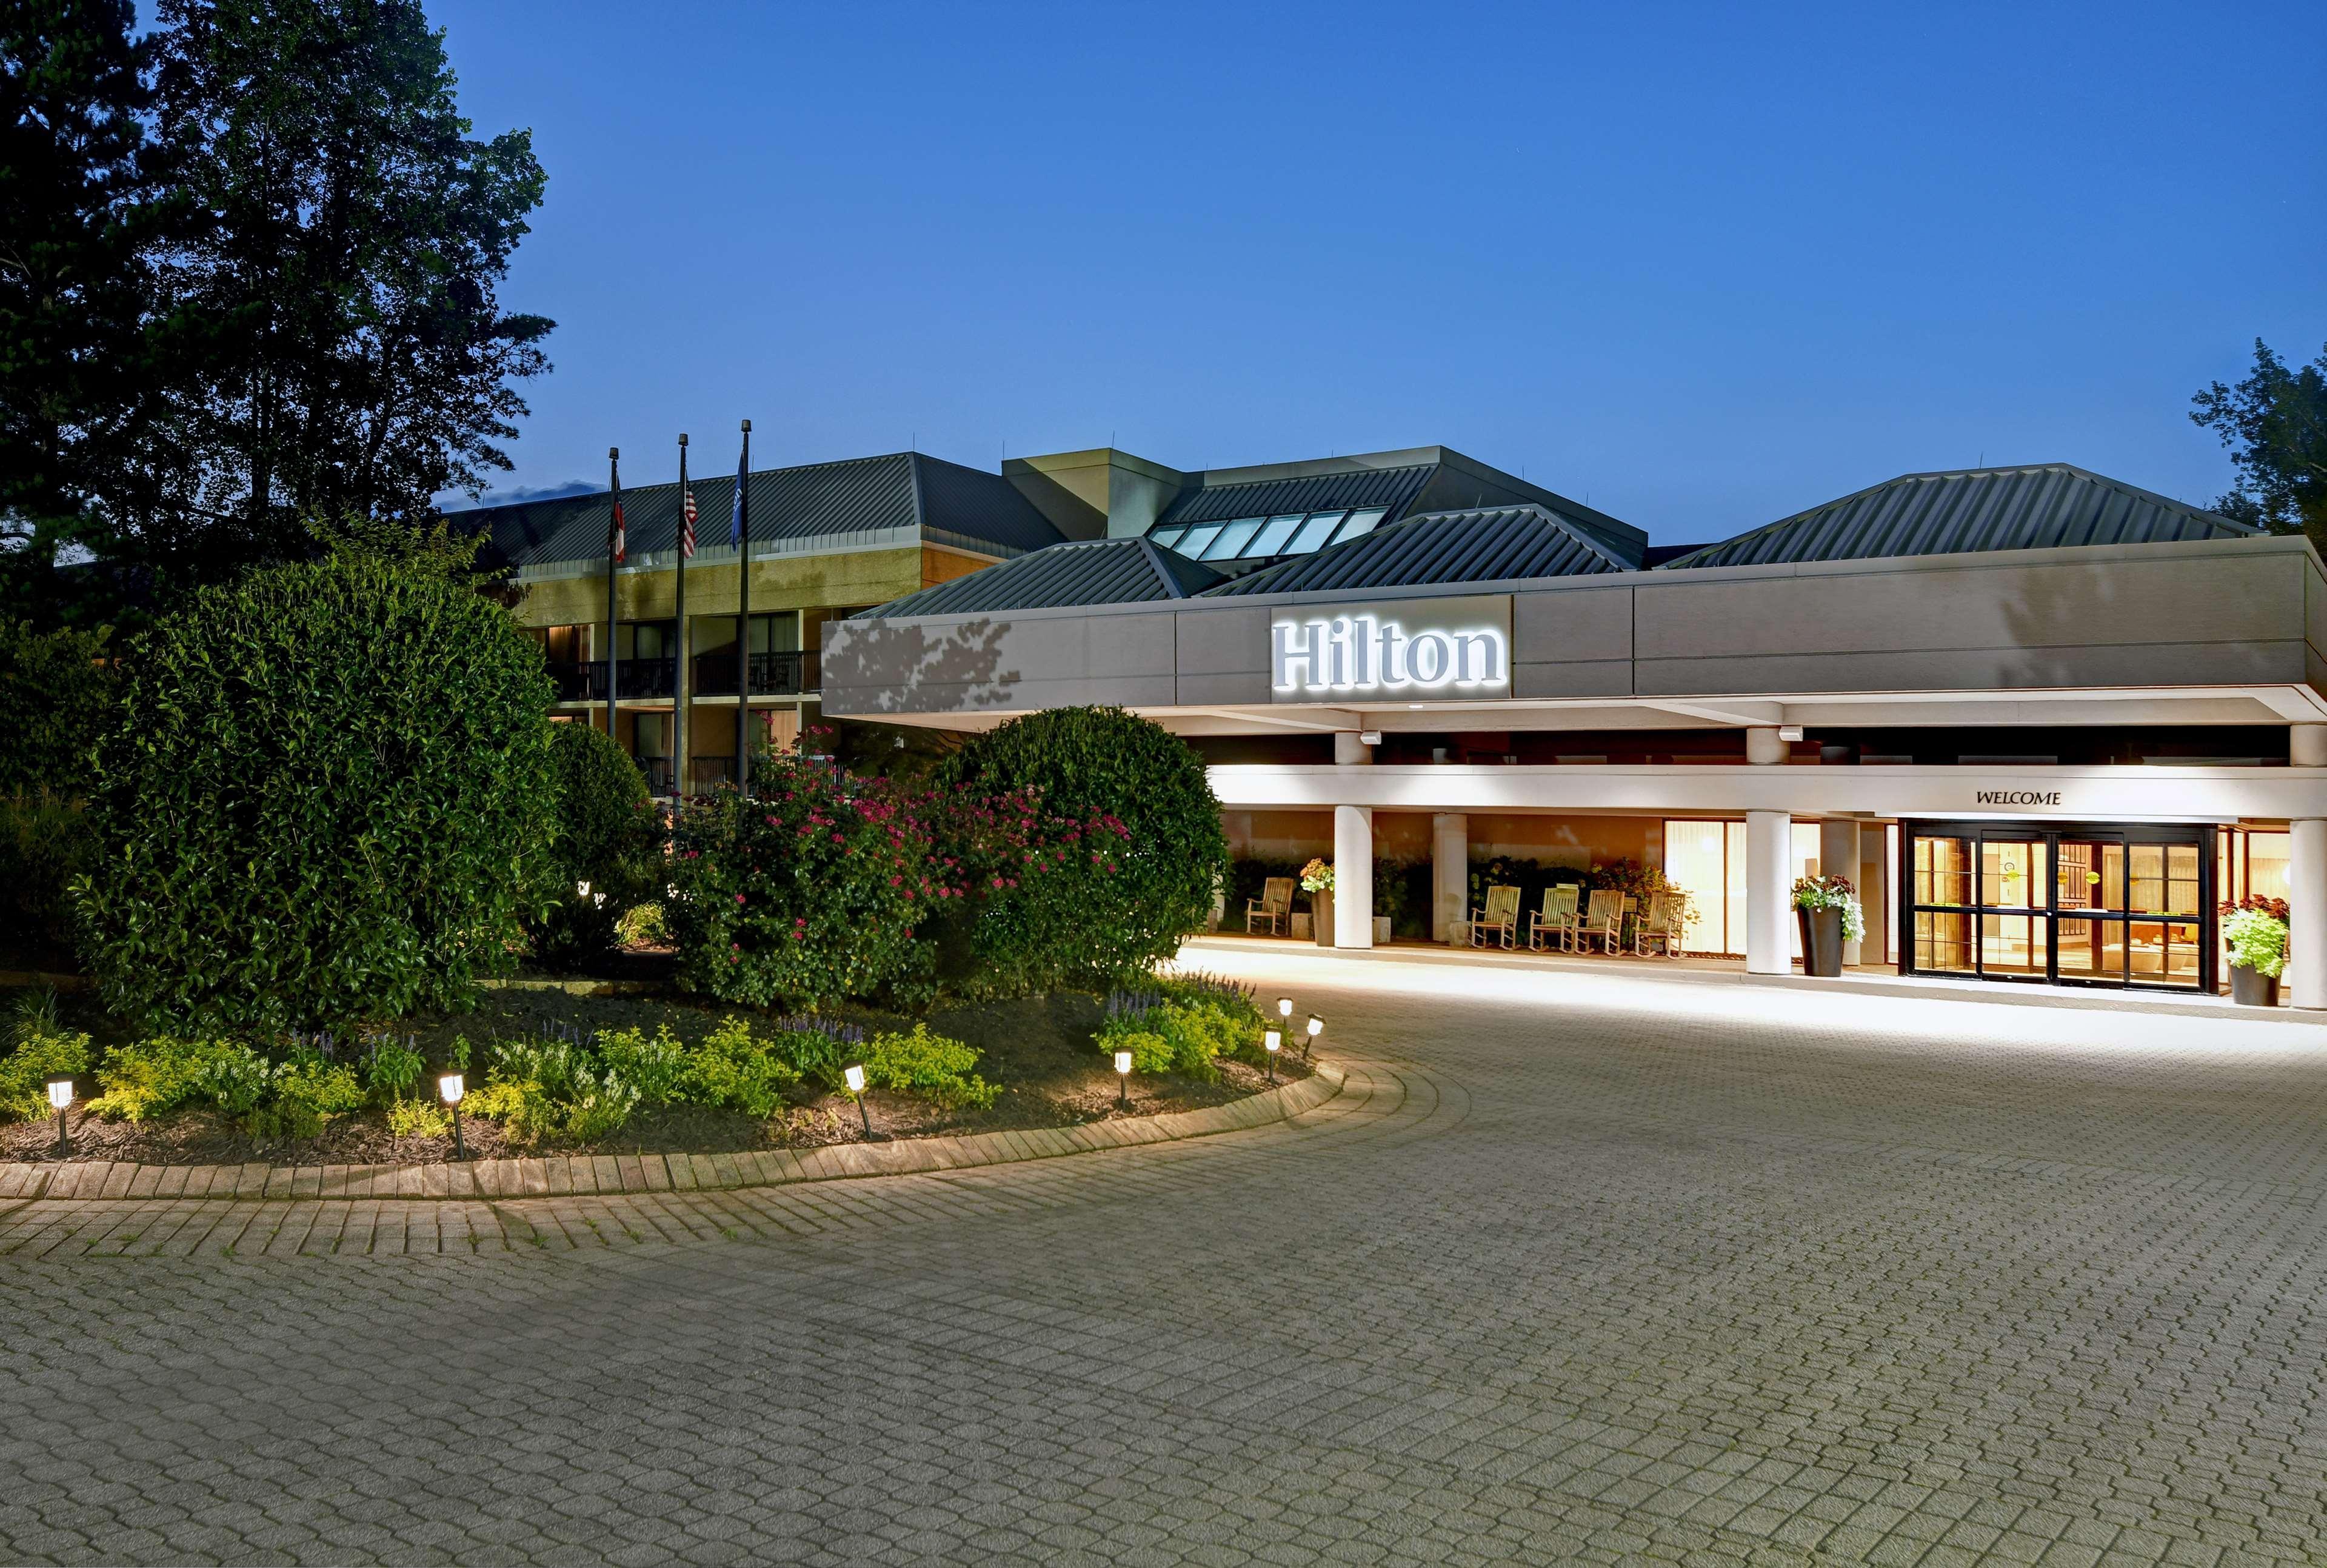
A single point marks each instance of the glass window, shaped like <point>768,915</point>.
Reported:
<point>1232,542</point>
<point>1696,862</point>
<point>1313,532</point>
<point>2267,857</point>
<point>1193,545</point>
<point>1165,538</point>
<point>1363,522</point>
<point>1943,870</point>
<point>1942,941</point>
<point>2012,873</point>
<point>1271,540</point>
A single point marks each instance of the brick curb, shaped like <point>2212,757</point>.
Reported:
<point>559,1176</point>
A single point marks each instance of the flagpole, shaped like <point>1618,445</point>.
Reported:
<point>681,688</point>
<point>614,544</point>
<point>744,617</point>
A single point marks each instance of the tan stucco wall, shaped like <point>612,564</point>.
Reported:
<point>786,582</point>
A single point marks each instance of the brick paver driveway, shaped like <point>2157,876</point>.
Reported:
<point>1605,1272</point>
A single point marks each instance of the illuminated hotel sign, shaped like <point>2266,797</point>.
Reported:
<point>1410,648</point>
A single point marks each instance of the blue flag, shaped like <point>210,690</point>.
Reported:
<point>743,477</point>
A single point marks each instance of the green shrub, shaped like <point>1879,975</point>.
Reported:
<point>642,926</point>
<point>44,843</point>
<point>332,801</point>
<point>153,1075</point>
<point>391,1071</point>
<point>932,1067</point>
<point>608,835</point>
<point>553,1092</point>
<point>417,1119</point>
<point>25,1071</point>
<point>58,693</point>
<point>732,1069</point>
<point>1183,1025</point>
<point>1131,899</point>
<point>1028,882</point>
<point>656,1067</point>
<point>808,893</point>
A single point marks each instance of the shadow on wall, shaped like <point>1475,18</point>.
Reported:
<point>883,666</point>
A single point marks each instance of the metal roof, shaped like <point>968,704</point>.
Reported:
<point>1381,487</point>
<point>947,502</point>
<point>1082,572</point>
<point>2040,507</point>
<point>1492,545</point>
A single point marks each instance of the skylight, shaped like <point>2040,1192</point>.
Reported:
<point>1267,538</point>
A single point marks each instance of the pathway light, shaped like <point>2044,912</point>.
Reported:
<point>1123,1079</point>
<point>60,1097</point>
<point>854,1076</point>
<point>1316,1028</point>
<point>1272,1041</point>
<point>1284,1007</point>
<point>450,1089</point>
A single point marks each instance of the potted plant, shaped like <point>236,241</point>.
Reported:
<point>1827,906</point>
<point>2255,931</point>
<point>1317,881</point>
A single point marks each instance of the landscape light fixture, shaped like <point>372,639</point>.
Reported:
<point>60,1091</point>
<point>1123,1079</point>
<point>450,1089</point>
<point>1316,1028</point>
<point>1272,1041</point>
<point>855,1078</point>
<point>1284,1007</point>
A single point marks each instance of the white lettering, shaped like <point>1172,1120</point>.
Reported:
<point>1366,652</point>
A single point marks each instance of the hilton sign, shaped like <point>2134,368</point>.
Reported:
<point>1410,648</point>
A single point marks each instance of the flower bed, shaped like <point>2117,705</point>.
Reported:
<point>547,1072</point>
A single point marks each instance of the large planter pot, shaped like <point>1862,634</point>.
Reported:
<point>1821,941</point>
<point>2253,988</point>
<point>1320,917</point>
<point>1381,930</point>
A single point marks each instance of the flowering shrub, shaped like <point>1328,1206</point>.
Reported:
<point>1034,886</point>
<point>1182,1024</point>
<point>2255,929</point>
<point>1832,892</point>
<point>809,892</point>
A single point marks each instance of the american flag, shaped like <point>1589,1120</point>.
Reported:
<point>686,527</point>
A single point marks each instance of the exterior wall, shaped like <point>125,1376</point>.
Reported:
<point>2240,612</point>
<point>782,582</point>
<point>942,567</point>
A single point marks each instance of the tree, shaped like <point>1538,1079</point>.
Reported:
<point>328,797</point>
<point>2274,423</point>
<point>336,311</point>
<point>79,214</point>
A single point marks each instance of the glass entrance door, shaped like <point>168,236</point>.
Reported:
<point>2126,905</point>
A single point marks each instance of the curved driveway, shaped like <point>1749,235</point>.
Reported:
<point>1581,1270</point>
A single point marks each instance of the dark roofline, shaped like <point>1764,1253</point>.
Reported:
<point>1687,561</point>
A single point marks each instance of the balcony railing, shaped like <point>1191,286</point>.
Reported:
<point>660,772</point>
<point>640,678</point>
<point>773,674</point>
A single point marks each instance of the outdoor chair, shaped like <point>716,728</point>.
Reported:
<point>1501,917</point>
<point>1660,928</point>
<point>1275,906</point>
<point>1555,921</point>
<point>1604,922</point>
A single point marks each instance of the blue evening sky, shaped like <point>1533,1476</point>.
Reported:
<point>1703,265</point>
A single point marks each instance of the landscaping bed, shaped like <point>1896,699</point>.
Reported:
<point>1038,1053</point>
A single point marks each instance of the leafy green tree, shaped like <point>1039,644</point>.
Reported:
<point>2274,423</point>
<point>330,799</point>
<point>338,313</point>
<point>57,695</point>
<point>1163,849</point>
<point>79,214</point>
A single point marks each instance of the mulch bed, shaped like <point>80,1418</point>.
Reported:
<point>1038,1051</point>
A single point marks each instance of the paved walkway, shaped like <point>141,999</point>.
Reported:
<point>1583,1271</point>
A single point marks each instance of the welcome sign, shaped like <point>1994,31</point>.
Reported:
<point>1408,648</point>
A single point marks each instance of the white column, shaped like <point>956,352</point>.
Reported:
<point>2306,900</point>
<point>2306,745</point>
<point>1349,751</point>
<point>1838,856</point>
<point>1450,874</point>
<point>1354,876</point>
<point>1763,746</point>
<point>1768,836</point>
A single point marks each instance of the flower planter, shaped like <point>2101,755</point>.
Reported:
<point>1821,942</point>
<point>2252,987</point>
<point>1381,930</point>
<point>1320,917</point>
